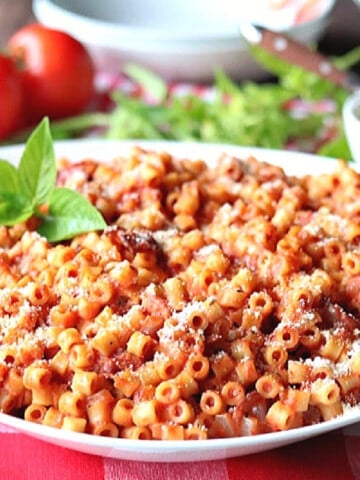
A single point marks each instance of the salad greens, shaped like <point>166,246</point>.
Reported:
<point>255,114</point>
<point>25,190</point>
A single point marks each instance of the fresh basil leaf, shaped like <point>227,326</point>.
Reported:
<point>37,168</point>
<point>149,81</point>
<point>8,177</point>
<point>14,208</point>
<point>337,148</point>
<point>348,60</point>
<point>270,62</point>
<point>134,123</point>
<point>69,214</point>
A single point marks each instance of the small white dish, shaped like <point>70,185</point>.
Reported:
<point>294,163</point>
<point>351,118</point>
<point>178,39</point>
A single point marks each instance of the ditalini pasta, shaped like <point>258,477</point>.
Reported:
<point>218,302</point>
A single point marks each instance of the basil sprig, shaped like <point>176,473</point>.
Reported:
<point>32,185</point>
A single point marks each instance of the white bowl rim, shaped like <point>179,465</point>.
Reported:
<point>350,104</point>
<point>107,31</point>
<point>351,123</point>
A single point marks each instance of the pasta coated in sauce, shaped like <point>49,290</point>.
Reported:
<point>219,302</point>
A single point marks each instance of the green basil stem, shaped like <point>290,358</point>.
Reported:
<point>68,127</point>
<point>81,122</point>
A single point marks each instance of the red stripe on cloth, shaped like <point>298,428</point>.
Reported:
<point>353,451</point>
<point>321,458</point>
<point>118,469</point>
<point>24,458</point>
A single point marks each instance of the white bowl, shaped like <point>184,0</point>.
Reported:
<point>294,163</point>
<point>351,118</point>
<point>178,39</point>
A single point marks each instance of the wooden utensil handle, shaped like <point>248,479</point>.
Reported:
<point>296,53</point>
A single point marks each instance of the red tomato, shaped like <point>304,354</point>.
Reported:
<point>57,70</point>
<point>11,98</point>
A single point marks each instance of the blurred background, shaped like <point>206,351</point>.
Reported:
<point>184,52</point>
<point>342,33</point>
